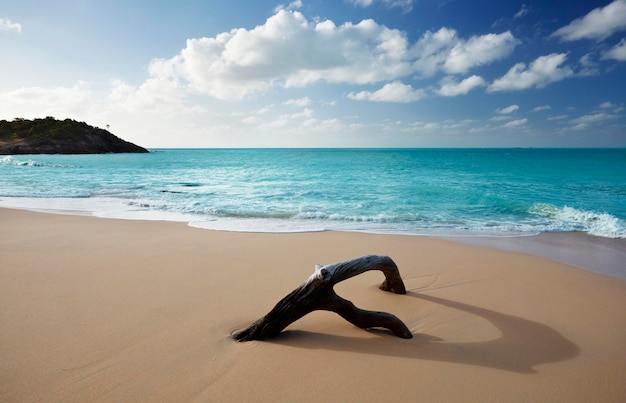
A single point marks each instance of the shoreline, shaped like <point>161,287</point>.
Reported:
<point>588,252</point>
<point>605,256</point>
<point>118,310</point>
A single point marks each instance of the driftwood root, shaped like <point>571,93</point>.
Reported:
<point>317,293</point>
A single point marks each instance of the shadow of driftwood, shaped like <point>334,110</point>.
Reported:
<point>523,344</point>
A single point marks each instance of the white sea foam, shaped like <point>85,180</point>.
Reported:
<point>104,207</point>
<point>258,225</point>
<point>550,218</point>
<point>147,215</point>
<point>571,219</point>
<point>64,205</point>
<point>10,160</point>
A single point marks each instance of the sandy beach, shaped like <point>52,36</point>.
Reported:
<point>117,310</point>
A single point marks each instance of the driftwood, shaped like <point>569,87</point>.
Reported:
<point>317,293</point>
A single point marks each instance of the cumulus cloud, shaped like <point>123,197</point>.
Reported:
<point>598,24</point>
<point>158,96</point>
<point>444,50</point>
<point>432,50</point>
<point>508,110</point>
<point>450,88</point>
<point>617,52</point>
<point>8,25</point>
<point>290,51</point>
<point>478,51</point>
<point>287,50</point>
<point>541,72</point>
<point>392,92</point>
<point>294,5</point>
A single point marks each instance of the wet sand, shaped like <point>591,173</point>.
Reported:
<point>597,254</point>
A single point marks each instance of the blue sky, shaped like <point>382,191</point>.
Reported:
<point>312,73</point>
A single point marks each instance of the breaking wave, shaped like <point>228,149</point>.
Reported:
<point>571,219</point>
<point>10,160</point>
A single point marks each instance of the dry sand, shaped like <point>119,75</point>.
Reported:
<point>108,310</point>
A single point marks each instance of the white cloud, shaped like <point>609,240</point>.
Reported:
<point>500,118</point>
<point>594,118</point>
<point>357,54</point>
<point>156,96</point>
<point>443,50</point>
<point>606,105</point>
<point>294,5</point>
<point>515,124</point>
<point>8,25</point>
<point>599,23</point>
<point>392,92</point>
<point>583,122</point>
<point>478,51</point>
<point>432,49</point>
<point>59,102</point>
<point>300,102</point>
<point>522,12</point>
<point>399,126</point>
<point>306,113</point>
<point>609,105</point>
<point>264,110</point>
<point>452,124</point>
<point>362,3</point>
<point>287,50</point>
<point>542,108</point>
<point>450,88</point>
<point>508,110</point>
<point>405,5</point>
<point>588,66</point>
<point>617,52</point>
<point>290,51</point>
<point>557,117</point>
<point>541,72</point>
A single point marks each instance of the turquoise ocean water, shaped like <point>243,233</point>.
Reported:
<point>498,192</point>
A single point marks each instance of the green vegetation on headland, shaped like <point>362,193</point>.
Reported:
<point>52,136</point>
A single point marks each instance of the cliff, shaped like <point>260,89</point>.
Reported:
<point>52,136</point>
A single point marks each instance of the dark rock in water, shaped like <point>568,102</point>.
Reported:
<point>52,136</point>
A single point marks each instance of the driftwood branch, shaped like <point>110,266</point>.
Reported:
<point>317,293</point>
